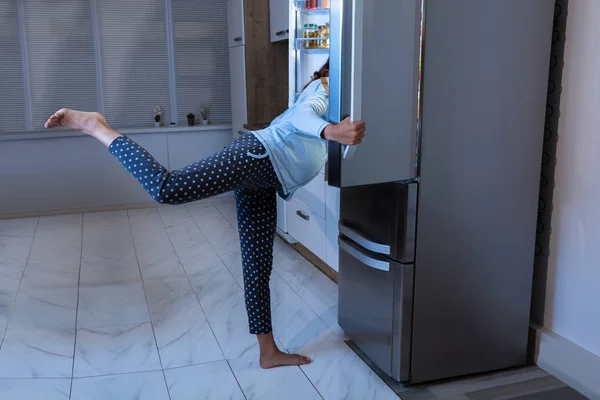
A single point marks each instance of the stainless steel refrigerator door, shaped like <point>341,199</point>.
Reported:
<point>381,218</point>
<point>375,307</point>
<point>387,74</point>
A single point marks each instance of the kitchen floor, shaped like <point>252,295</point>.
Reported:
<point>148,304</point>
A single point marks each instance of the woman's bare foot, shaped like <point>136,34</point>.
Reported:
<point>90,123</point>
<point>279,359</point>
<point>271,356</point>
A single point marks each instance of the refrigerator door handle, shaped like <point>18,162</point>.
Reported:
<point>363,241</point>
<point>363,258</point>
<point>356,71</point>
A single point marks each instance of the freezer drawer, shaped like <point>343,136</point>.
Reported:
<point>381,218</point>
<point>375,307</point>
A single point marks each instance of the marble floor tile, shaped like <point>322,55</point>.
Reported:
<point>294,322</point>
<point>56,250</point>
<point>215,227</point>
<point>165,265</point>
<point>155,253</point>
<point>37,354</point>
<point>96,271</point>
<point>44,308</point>
<point>64,226</point>
<point>14,252</point>
<point>201,261</point>
<point>233,261</point>
<point>139,386</point>
<point>115,350</point>
<point>230,326</point>
<point>21,227</point>
<point>278,383</point>
<point>111,305</point>
<point>338,373</point>
<point>35,389</point>
<point>203,382</point>
<point>213,286</point>
<point>227,208</point>
<point>50,275</point>
<point>8,294</point>
<point>182,332</point>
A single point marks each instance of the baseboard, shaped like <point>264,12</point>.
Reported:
<point>569,362</point>
<point>316,261</point>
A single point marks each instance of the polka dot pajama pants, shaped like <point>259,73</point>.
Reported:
<point>242,166</point>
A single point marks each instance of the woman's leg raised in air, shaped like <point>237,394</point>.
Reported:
<point>257,222</point>
<point>221,172</point>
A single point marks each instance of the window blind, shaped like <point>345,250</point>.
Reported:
<point>12,101</point>
<point>135,66</point>
<point>118,57</point>
<point>201,58</point>
<point>60,50</point>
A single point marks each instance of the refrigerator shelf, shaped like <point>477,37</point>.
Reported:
<point>312,51</point>
<point>301,7</point>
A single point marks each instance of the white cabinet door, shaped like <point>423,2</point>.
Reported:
<point>307,228</point>
<point>235,22</point>
<point>280,11</point>
<point>237,70</point>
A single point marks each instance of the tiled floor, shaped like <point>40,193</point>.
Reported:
<point>148,304</point>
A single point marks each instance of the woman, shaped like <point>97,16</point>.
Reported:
<point>281,158</point>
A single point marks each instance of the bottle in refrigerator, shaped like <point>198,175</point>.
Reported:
<point>311,4</point>
<point>325,4</point>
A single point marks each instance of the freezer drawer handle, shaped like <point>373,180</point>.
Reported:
<point>363,241</point>
<point>302,215</point>
<point>237,39</point>
<point>280,33</point>
<point>371,262</point>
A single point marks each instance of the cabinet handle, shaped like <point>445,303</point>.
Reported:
<point>237,39</point>
<point>302,215</point>
<point>281,33</point>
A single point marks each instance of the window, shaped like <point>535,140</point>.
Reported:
<point>12,90</point>
<point>202,59</point>
<point>60,51</point>
<point>121,58</point>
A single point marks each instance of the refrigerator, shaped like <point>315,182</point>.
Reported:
<point>438,204</point>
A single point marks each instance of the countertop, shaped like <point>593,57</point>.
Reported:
<point>56,133</point>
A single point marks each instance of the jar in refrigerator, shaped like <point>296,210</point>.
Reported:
<point>309,32</point>
<point>324,36</point>
<point>311,4</point>
<point>324,4</point>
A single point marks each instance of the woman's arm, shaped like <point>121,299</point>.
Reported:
<point>306,117</point>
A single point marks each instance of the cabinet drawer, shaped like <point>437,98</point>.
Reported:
<point>312,196</point>
<point>307,228</point>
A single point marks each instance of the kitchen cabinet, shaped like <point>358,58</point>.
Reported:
<point>312,219</point>
<point>237,76</point>
<point>279,11</point>
<point>235,22</point>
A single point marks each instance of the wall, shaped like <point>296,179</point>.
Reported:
<point>73,172</point>
<point>566,295</point>
<point>573,282</point>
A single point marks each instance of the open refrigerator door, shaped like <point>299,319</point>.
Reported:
<point>309,42</point>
